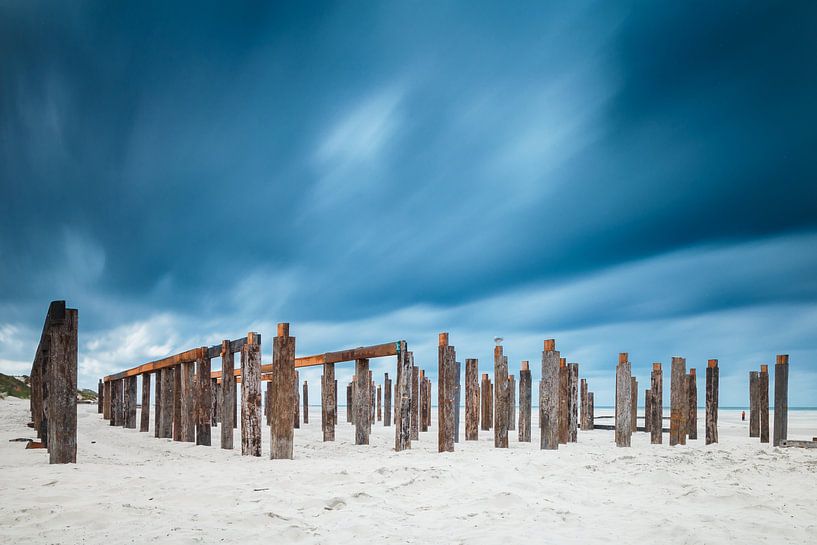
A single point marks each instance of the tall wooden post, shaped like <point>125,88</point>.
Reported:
<point>371,401</point>
<point>380,404</point>
<point>657,406</point>
<point>564,403</point>
<point>336,402</point>
<point>328,402</point>
<point>647,410</point>
<point>215,412</point>
<point>157,405</point>
<point>350,417</point>
<point>100,397</point>
<point>386,401</point>
<point>251,396</point>
<point>583,421</point>
<point>781,399</point>
<point>624,408</point>
<point>204,398</point>
<point>511,402</point>
<point>446,393</point>
<point>415,403</point>
<point>130,402</point>
<point>486,403</point>
<point>62,388</point>
<point>306,402</point>
<point>678,401</point>
<point>177,403</point>
<point>144,421</point>
<point>402,399</point>
<point>471,399</point>
<point>118,406</point>
<point>573,402</point>
<point>525,402</point>
<point>590,408</point>
<point>712,402</point>
<point>188,403</point>
<point>428,401</point>
<point>106,404</point>
<point>457,400</point>
<point>362,400</point>
<point>228,404</point>
<point>763,402</point>
<point>754,408</point>
<point>283,376</point>
<point>422,401</point>
<point>692,405</point>
<point>549,397</point>
<point>501,398</point>
<point>633,405</point>
<point>296,401</point>
<point>165,418</point>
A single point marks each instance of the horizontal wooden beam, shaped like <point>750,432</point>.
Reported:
<point>170,361</point>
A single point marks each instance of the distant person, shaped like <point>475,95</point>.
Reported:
<point>743,415</point>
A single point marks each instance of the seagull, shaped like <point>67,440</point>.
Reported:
<point>498,340</point>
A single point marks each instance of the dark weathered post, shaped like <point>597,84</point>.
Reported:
<point>402,399</point>
<point>657,406</point>
<point>130,402</point>
<point>62,388</point>
<point>144,421</point>
<point>177,403</point>
<point>415,402</point>
<point>328,401</point>
<point>781,399</point>
<point>157,405</point>
<point>386,400</point>
<point>106,405</point>
<point>228,404</point>
<point>624,407</point>
<point>549,397</point>
<point>486,403</point>
<point>165,418</point>
<point>188,402</point>
<point>100,397</point>
<point>306,403</point>
<point>204,398</point>
<point>564,404</point>
<point>457,400</point>
<point>647,411</point>
<point>754,408</point>
<point>590,408</point>
<point>371,401</point>
<point>692,405</point>
<point>633,405</point>
<point>763,402</point>
<point>573,402</point>
<point>118,403</point>
<point>296,401</point>
<point>583,420</point>
<point>349,412</point>
<point>712,402</point>
<point>284,385</point>
<point>471,399</point>
<point>268,403</point>
<point>524,402</point>
<point>215,412</point>
<point>379,404</point>
<point>362,400</point>
<point>447,361</point>
<point>251,396</point>
<point>428,401</point>
<point>678,401</point>
<point>501,398</point>
<point>511,402</point>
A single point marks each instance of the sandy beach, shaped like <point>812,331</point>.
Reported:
<point>129,487</point>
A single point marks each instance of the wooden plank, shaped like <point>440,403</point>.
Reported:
<point>789,443</point>
<point>525,389</point>
<point>712,402</point>
<point>781,399</point>
<point>62,389</point>
<point>754,410</point>
<point>471,399</point>
<point>387,400</point>
<point>624,411</point>
<point>692,405</point>
<point>549,397</point>
<point>283,375</point>
<point>677,433</point>
<point>170,361</point>
<point>144,421</point>
<point>362,400</point>
<point>657,405</point>
<point>203,399</point>
<point>501,398</point>
<point>228,396</point>
<point>573,402</point>
<point>402,400</point>
<point>251,397</point>
<point>763,402</point>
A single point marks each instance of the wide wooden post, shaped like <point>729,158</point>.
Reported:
<point>117,403</point>
<point>692,405</point>
<point>100,397</point>
<point>524,402</point>
<point>131,389</point>
<point>415,402</point>
<point>712,402</point>
<point>781,399</point>
<point>284,384</point>
<point>144,421</point>
<point>573,402</point>
<point>386,400</point>
<point>61,375</point>
<point>501,398</point>
<point>106,404</point>
<point>487,416</point>
<point>657,405</point>
<point>763,402</point>
<point>204,398</point>
<point>446,394</point>
<point>251,396</point>
<point>511,402</point>
<point>624,407</point>
<point>678,402</point>
<point>549,398</point>
<point>754,408</point>
<point>471,399</point>
<point>402,399</point>
<point>564,402</point>
<point>188,402</point>
<point>362,400</point>
<point>633,405</point>
<point>306,403</point>
<point>165,417</point>
<point>228,404</point>
<point>328,402</point>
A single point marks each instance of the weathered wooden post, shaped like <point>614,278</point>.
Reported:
<point>251,395</point>
<point>486,403</point>
<point>177,403</point>
<point>501,398</point>
<point>296,399</point>
<point>106,405</point>
<point>524,402</point>
<point>144,421</point>
<point>130,402</point>
<point>349,413</point>
<point>511,402</point>
<point>590,408</point>
<point>215,412</point>
<point>306,403</point>
<point>165,418</point>
<point>678,401</point>
<point>402,399</point>
<point>422,401</point>
<point>117,403</point>
<point>583,420</point>
<point>204,398</point>
<point>446,359</point>
<point>188,403</point>
<point>371,401</point>
<point>549,397</point>
<point>564,404</point>
<point>362,400</point>
<point>157,405</point>
<point>62,385</point>
<point>100,397</point>
<point>415,402</point>
<point>573,402</point>
<point>763,402</point>
<point>228,404</point>
<point>692,405</point>
<point>336,402</point>
<point>657,412</point>
<point>781,399</point>
<point>471,399</point>
<point>712,402</point>
<point>457,400</point>
<point>754,408</point>
<point>624,408</point>
<point>328,402</point>
<point>647,411</point>
<point>283,376</point>
<point>386,400</point>
<point>633,405</point>
<point>379,404</point>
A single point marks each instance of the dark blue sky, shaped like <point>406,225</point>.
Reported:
<point>622,177</point>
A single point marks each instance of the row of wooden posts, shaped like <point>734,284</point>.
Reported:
<point>759,402</point>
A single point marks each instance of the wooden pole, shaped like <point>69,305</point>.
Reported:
<point>61,375</point>
<point>428,401</point>
<point>204,399</point>
<point>657,408</point>
<point>754,408</point>
<point>402,400</point>
<point>486,403</point>
<point>100,397</point>
<point>379,404</point>
<point>106,404</point>
<point>591,407</point>
<point>647,410</point>
<point>446,391</point>
<point>781,399</point>
<point>130,402</point>
<point>188,403</point>
<point>215,411</point>
<point>251,396</point>
<point>564,403</point>
<point>336,402</point>
<point>501,398</point>
<point>511,402</point>
<point>177,403</point>
<point>283,386</point>
<point>583,420</point>
<point>144,421</point>
<point>306,402</point>
<point>386,401</point>
<point>371,401</point>
<point>678,401</point>
<point>692,405</point>
<point>349,405</point>
<point>157,405</point>
<point>573,402</point>
<point>633,405</point>
<point>118,407</point>
<point>457,400</point>
<point>712,402</point>
<point>549,397</point>
<point>525,402</point>
<point>624,408</point>
<point>362,400</point>
<point>165,417</point>
<point>415,402</point>
<point>296,398</point>
<point>422,401</point>
<point>763,402</point>
<point>328,402</point>
<point>471,399</point>
<point>228,395</point>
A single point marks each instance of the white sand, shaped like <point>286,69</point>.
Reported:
<point>130,487</point>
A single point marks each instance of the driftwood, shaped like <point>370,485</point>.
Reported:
<point>623,425</point>
<point>678,402</point>
<point>283,387</point>
<point>549,397</point>
<point>525,402</point>
<point>712,402</point>
<point>788,443</point>
<point>251,397</point>
<point>657,404</point>
<point>501,398</point>
<point>781,399</point>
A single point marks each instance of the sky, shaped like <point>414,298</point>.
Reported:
<point>622,177</point>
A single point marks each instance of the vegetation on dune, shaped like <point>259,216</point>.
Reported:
<point>13,386</point>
